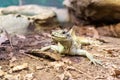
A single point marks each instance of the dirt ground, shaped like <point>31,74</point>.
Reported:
<point>16,64</point>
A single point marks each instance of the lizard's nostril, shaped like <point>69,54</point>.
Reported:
<point>68,35</point>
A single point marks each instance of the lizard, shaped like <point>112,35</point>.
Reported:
<point>70,44</point>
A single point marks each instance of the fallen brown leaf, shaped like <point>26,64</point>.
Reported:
<point>47,55</point>
<point>116,73</point>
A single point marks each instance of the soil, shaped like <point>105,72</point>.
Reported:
<point>67,68</point>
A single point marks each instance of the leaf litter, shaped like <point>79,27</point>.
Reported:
<point>64,68</point>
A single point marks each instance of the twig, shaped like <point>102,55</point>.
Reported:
<point>9,37</point>
<point>78,70</point>
<point>30,56</point>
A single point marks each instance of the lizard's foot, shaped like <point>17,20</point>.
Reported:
<point>95,61</point>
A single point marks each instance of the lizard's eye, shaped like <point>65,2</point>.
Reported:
<point>63,32</point>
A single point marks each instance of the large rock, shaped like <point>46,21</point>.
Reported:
<point>42,17</point>
<point>93,11</point>
<point>29,10</point>
<point>14,24</point>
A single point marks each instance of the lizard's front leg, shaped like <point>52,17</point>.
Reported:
<point>45,48</point>
<point>53,47</point>
<point>59,48</point>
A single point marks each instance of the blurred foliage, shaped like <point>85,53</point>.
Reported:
<point>57,3</point>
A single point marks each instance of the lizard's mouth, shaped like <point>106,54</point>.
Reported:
<point>61,38</point>
<point>56,38</point>
<point>60,35</point>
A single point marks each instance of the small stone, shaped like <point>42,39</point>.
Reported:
<point>20,67</point>
<point>29,76</point>
<point>2,73</point>
<point>12,77</point>
<point>39,67</point>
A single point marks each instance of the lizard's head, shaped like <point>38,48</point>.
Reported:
<point>60,35</point>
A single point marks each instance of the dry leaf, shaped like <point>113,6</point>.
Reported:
<point>48,55</point>
<point>21,36</point>
<point>116,73</point>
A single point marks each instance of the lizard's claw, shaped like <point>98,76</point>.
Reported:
<point>95,61</point>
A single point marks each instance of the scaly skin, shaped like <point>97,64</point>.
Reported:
<point>69,43</point>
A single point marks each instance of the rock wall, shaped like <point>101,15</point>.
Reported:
<point>93,11</point>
